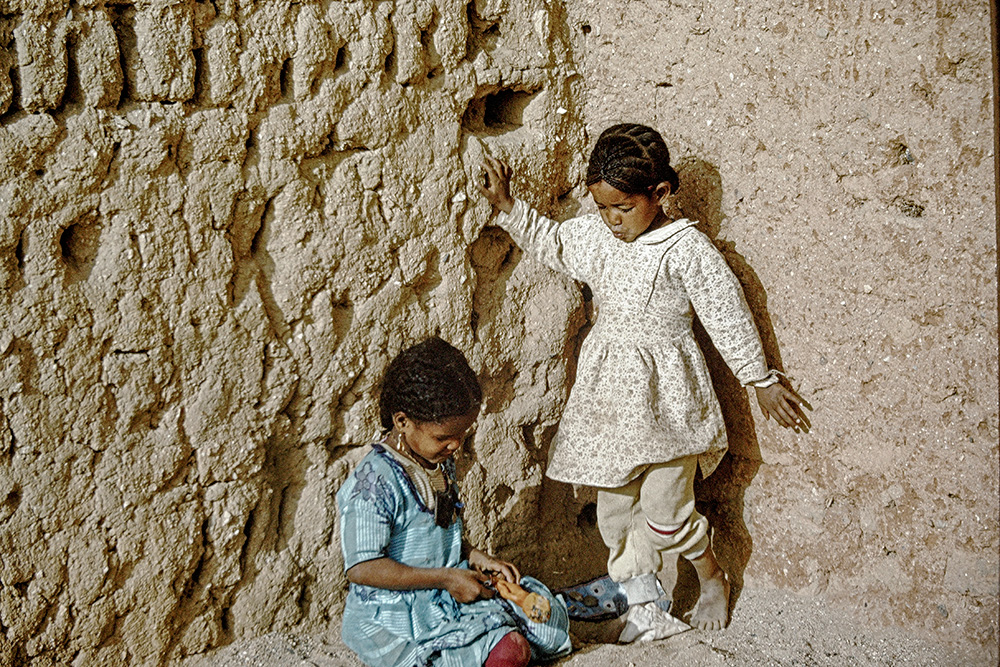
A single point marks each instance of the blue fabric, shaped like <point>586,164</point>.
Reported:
<point>381,515</point>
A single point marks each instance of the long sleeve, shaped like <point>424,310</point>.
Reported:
<point>718,300</point>
<point>568,247</point>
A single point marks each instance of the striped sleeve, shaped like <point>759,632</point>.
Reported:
<point>368,506</point>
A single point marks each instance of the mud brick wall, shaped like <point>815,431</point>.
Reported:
<point>220,219</point>
<point>219,222</point>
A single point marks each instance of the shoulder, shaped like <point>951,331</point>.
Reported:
<point>694,254</point>
<point>691,236</point>
<point>591,222</point>
<point>587,230</point>
<point>375,473</point>
<point>692,243</point>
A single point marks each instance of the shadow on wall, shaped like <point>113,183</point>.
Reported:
<point>721,497</point>
<point>573,550</point>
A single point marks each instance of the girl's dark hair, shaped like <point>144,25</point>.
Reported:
<point>631,158</point>
<point>429,382</point>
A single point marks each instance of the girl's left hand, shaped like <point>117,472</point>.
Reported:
<point>785,406</point>
<point>483,562</point>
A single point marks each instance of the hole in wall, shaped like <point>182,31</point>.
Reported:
<point>502,495</point>
<point>200,86</point>
<point>505,109</point>
<point>79,242</point>
<point>73,93</point>
<point>285,79</point>
<point>585,28</point>
<point>528,433</point>
<point>340,63</point>
<point>587,518</point>
<point>497,112</point>
<point>19,250</point>
<point>123,22</point>
<point>472,119</point>
<point>390,63</point>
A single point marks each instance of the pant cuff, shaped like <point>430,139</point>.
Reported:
<point>641,589</point>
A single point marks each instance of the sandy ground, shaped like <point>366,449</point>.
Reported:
<point>768,628</point>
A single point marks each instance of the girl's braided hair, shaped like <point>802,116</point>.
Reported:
<point>631,158</point>
<point>428,382</point>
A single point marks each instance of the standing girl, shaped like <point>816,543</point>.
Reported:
<point>419,595</point>
<point>642,416</point>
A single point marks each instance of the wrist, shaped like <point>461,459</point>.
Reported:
<point>443,577</point>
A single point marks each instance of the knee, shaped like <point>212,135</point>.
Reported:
<point>684,537</point>
<point>511,651</point>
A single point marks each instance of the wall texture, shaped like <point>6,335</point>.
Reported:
<point>220,219</point>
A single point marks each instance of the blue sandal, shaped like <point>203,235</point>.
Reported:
<point>600,599</point>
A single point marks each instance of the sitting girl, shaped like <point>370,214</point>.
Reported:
<point>418,594</point>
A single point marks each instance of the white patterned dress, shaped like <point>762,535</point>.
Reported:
<point>643,394</point>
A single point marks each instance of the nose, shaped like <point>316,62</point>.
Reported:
<point>612,218</point>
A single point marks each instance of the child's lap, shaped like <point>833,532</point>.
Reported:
<point>421,624</point>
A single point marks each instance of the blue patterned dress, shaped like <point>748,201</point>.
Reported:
<point>382,515</point>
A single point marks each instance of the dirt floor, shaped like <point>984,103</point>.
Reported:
<point>768,628</point>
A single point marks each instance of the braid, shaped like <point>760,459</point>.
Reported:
<point>429,381</point>
<point>632,158</point>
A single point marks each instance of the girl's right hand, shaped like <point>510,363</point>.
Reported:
<point>466,585</point>
<point>497,186</point>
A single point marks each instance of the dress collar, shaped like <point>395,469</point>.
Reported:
<point>665,232</point>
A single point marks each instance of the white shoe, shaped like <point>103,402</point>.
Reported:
<point>646,622</point>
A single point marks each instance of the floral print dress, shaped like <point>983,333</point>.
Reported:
<point>643,394</point>
<point>383,515</point>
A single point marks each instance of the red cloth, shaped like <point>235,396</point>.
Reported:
<point>511,651</point>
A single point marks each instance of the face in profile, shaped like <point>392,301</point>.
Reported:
<point>432,443</point>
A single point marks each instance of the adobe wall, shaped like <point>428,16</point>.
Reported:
<point>220,219</point>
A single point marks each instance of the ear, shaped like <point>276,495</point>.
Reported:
<point>400,420</point>
<point>661,191</point>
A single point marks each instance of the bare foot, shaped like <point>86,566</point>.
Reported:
<point>712,609</point>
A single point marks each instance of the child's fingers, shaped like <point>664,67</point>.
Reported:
<point>510,572</point>
<point>801,418</point>
<point>794,405</point>
<point>793,417</point>
<point>496,170</point>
